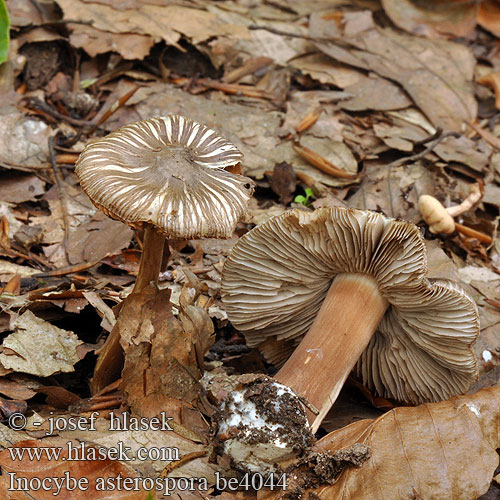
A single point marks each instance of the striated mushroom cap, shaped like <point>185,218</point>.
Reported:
<point>278,274</point>
<point>167,171</point>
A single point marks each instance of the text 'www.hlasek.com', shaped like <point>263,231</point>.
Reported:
<point>73,479</point>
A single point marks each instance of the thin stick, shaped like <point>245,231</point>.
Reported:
<point>70,269</point>
<point>234,88</point>
<point>67,158</point>
<point>45,108</point>
<point>115,107</point>
<point>248,68</point>
<point>472,233</point>
<point>184,459</point>
<point>322,163</point>
<point>486,135</point>
<point>109,388</point>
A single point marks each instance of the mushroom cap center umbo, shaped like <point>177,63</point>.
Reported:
<point>171,166</point>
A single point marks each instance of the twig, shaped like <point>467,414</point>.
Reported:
<point>436,138</point>
<point>184,459</point>
<point>275,31</point>
<point>472,233</point>
<point>493,302</point>
<point>115,107</point>
<point>69,270</point>
<point>109,388</point>
<point>235,88</point>
<point>486,135</point>
<point>322,163</point>
<point>45,108</point>
<point>67,158</point>
<point>251,66</point>
<point>62,197</point>
<point>435,135</point>
<point>307,122</point>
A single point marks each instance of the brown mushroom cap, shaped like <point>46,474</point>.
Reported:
<point>277,275</point>
<point>167,171</point>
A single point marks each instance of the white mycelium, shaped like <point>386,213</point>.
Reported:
<point>261,439</point>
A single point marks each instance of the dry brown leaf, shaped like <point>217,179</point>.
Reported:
<point>438,451</point>
<point>97,238</point>
<point>433,17</point>
<point>323,69</point>
<point>394,191</point>
<point>376,93</point>
<point>417,64</point>
<point>16,187</point>
<point>167,22</point>
<point>161,368</point>
<point>91,470</point>
<point>489,16</point>
<point>8,269</point>
<point>15,390</point>
<point>39,348</point>
<point>94,42</point>
<point>474,154</point>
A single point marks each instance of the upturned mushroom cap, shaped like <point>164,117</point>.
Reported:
<point>277,275</point>
<point>167,171</point>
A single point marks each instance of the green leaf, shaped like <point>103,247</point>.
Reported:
<point>4,31</point>
<point>305,200</point>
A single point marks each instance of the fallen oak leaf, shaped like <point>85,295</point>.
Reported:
<point>39,348</point>
<point>433,451</point>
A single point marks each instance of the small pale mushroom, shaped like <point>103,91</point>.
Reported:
<point>435,215</point>
<point>164,175</point>
<point>440,219</point>
<point>350,288</point>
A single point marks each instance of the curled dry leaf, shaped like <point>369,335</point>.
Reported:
<point>39,348</point>
<point>492,80</point>
<point>433,451</point>
<point>97,475</point>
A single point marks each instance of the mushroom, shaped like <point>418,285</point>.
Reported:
<point>351,287</point>
<point>440,219</point>
<point>164,175</point>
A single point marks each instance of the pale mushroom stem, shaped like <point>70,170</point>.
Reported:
<point>319,366</point>
<point>110,360</point>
